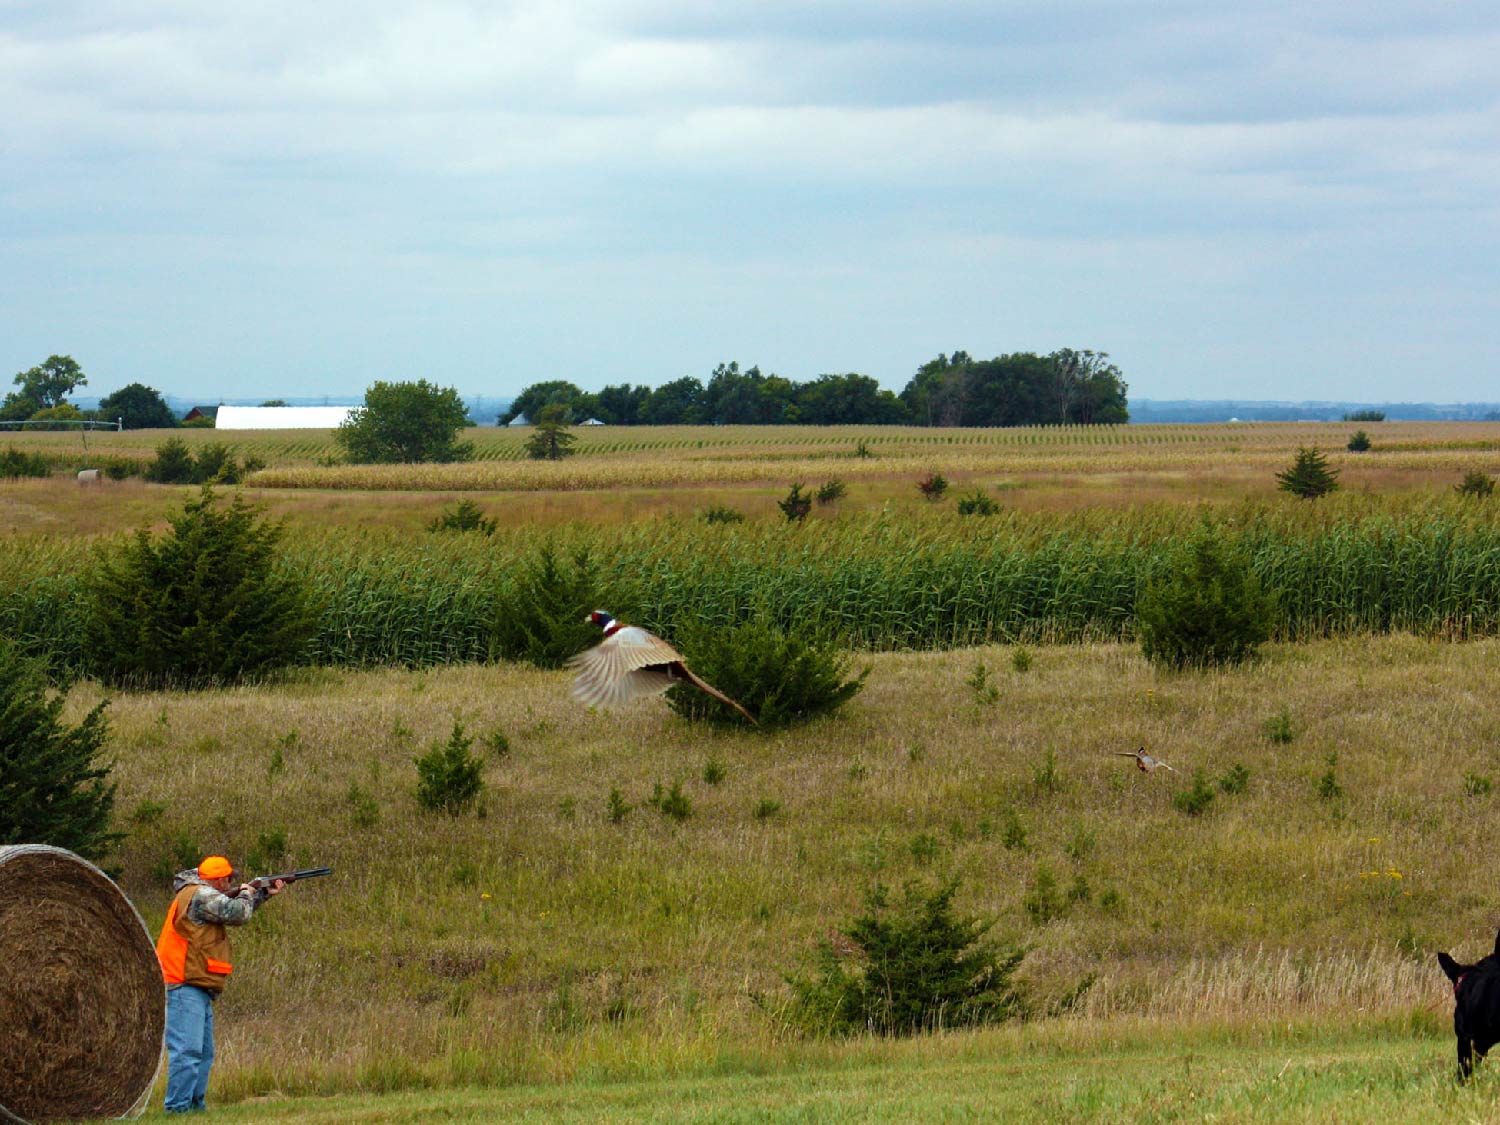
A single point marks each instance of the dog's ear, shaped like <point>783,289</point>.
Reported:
<point>1497,944</point>
<point>1451,967</point>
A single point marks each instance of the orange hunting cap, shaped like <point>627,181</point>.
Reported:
<point>215,867</point>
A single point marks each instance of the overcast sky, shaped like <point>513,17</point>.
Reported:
<point>1281,199</point>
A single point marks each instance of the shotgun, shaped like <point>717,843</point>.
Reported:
<point>260,882</point>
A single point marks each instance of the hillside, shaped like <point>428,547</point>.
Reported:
<point>545,940</point>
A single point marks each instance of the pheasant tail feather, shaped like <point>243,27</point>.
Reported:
<point>704,685</point>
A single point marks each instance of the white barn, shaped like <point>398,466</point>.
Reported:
<point>281,417</point>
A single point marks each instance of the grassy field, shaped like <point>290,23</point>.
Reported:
<point>1269,958</point>
<point>1141,1074</point>
<point>545,943</point>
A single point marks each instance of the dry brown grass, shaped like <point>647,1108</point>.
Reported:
<point>517,939</point>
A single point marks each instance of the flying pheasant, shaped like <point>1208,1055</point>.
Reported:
<point>1144,761</point>
<point>629,663</point>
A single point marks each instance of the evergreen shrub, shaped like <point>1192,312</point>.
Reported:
<point>1205,609</point>
<point>1236,779</point>
<point>1195,800</point>
<point>934,486</point>
<point>780,678</point>
<point>463,516</point>
<point>907,969</point>
<point>173,463</point>
<point>722,513</point>
<point>551,439</point>
<point>449,777</point>
<point>831,491</point>
<point>1309,477</point>
<point>672,803</point>
<point>214,463</point>
<point>54,789</point>
<point>977,504</point>
<point>797,504</point>
<point>1477,483</point>
<point>205,603</point>
<point>543,618</point>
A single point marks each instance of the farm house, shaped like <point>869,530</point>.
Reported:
<point>281,417</point>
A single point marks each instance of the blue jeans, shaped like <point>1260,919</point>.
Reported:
<point>190,1047</point>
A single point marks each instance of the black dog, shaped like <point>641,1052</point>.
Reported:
<point>1476,1006</point>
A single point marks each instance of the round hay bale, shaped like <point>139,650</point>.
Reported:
<point>82,1003</point>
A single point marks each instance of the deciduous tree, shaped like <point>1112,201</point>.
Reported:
<point>51,382</point>
<point>138,407</point>
<point>621,405</point>
<point>678,403</point>
<point>62,413</point>
<point>406,423</point>
<point>530,403</point>
<point>1020,389</point>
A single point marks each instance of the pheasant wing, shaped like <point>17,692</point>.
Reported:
<point>626,665</point>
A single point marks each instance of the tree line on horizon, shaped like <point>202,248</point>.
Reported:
<point>41,396</point>
<point>1020,389</point>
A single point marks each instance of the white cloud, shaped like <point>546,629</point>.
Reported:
<point>885,150</point>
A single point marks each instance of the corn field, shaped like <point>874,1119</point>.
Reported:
<point>873,581</point>
<point>609,456</point>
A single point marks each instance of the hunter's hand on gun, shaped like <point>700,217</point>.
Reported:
<point>273,884</point>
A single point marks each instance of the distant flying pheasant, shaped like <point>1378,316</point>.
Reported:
<point>629,663</point>
<point>1144,761</point>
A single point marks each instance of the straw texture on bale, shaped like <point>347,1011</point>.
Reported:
<point>82,1003</point>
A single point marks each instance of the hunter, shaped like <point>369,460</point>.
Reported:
<point>195,962</point>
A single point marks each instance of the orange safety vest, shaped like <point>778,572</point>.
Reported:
<point>191,953</point>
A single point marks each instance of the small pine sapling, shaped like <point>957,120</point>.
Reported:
<point>449,778</point>
<point>1195,800</point>
<point>1477,484</point>
<point>1278,728</point>
<point>934,486</point>
<point>797,504</point>
<point>906,969</point>
<point>986,694</point>
<point>1236,780</point>
<point>977,504</point>
<point>831,491</point>
<point>1309,477</point>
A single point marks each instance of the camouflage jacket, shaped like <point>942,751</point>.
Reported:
<point>208,905</point>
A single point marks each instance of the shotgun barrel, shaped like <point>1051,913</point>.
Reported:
<point>261,881</point>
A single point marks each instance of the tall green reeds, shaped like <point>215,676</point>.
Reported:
<point>871,581</point>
